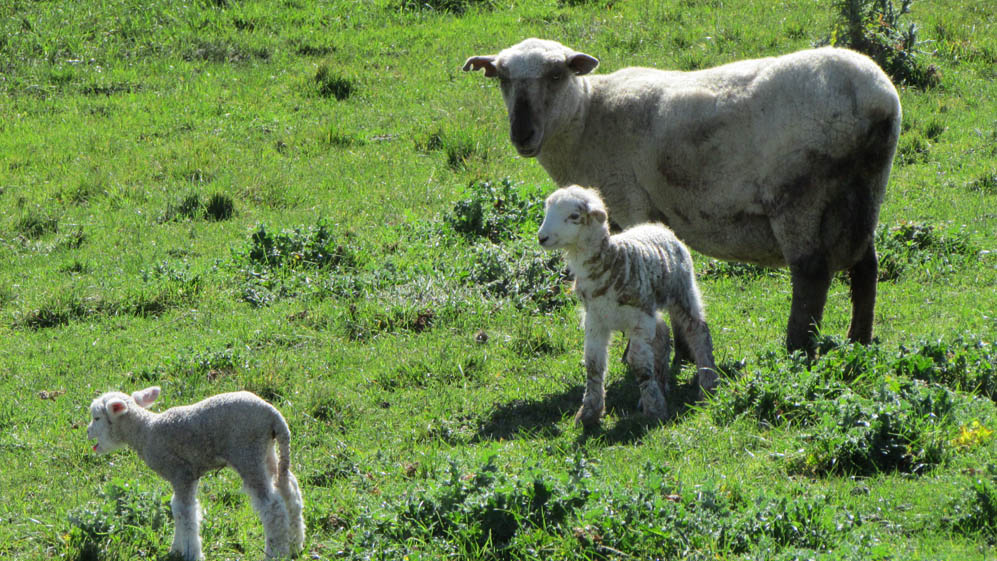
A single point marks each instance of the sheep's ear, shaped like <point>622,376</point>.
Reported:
<point>598,215</point>
<point>479,62</point>
<point>116,408</point>
<point>144,398</point>
<point>581,63</point>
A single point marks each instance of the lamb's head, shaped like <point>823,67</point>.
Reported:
<point>539,82</point>
<point>574,217</point>
<point>107,412</point>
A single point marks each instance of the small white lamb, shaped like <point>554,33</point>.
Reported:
<point>623,281</point>
<point>183,443</point>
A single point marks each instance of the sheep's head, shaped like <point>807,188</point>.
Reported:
<point>537,78</point>
<point>573,216</point>
<point>108,410</point>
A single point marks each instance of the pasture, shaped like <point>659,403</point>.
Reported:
<point>311,201</point>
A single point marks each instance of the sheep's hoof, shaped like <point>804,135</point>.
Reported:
<point>708,381</point>
<point>588,417</point>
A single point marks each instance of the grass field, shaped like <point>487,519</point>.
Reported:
<point>311,201</point>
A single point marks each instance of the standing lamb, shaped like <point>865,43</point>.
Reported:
<point>623,281</point>
<point>775,161</point>
<point>183,443</point>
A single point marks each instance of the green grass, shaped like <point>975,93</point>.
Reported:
<point>311,201</point>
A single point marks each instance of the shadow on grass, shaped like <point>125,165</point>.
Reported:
<point>539,418</point>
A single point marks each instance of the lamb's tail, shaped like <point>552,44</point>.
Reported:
<point>282,434</point>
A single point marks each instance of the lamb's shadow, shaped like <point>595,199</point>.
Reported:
<point>539,418</point>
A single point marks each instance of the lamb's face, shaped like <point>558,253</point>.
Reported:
<point>534,76</point>
<point>103,411</point>
<point>571,214</point>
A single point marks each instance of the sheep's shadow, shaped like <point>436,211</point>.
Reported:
<point>539,418</point>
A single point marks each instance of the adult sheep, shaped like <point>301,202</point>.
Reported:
<point>774,161</point>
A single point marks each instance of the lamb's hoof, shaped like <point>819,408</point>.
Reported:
<point>588,417</point>
<point>657,409</point>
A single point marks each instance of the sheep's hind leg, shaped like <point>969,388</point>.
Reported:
<point>187,521</point>
<point>596,363</point>
<point>864,276</point>
<point>811,280</point>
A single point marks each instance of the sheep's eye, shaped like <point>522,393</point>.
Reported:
<point>574,216</point>
<point>555,76</point>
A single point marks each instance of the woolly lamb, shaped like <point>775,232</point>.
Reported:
<point>775,161</point>
<point>623,281</point>
<point>183,443</point>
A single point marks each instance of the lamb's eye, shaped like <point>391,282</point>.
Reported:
<point>555,76</point>
<point>573,216</point>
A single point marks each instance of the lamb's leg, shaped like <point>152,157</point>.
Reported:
<point>596,363</point>
<point>187,521</point>
<point>642,361</point>
<point>258,480</point>
<point>692,324</point>
<point>291,494</point>
<point>683,352</point>
<point>863,277</point>
<point>662,348</point>
<point>811,280</point>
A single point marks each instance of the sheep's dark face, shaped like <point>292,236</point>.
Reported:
<point>534,76</point>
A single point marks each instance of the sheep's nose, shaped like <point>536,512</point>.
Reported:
<point>543,239</point>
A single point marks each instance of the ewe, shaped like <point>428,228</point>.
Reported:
<point>183,443</point>
<point>623,281</point>
<point>776,161</point>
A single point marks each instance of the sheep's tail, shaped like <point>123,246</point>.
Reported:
<point>282,434</point>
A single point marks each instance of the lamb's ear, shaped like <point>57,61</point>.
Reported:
<point>581,63</point>
<point>116,408</point>
<point>145,398</point>
<point>479,62</point>
<point>598,214</point>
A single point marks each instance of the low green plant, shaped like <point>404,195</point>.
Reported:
<point>901,428</point>
<point>331,84</point>
<point>874,27</point>
<point>497,211</point>
<point>911,246</point>
<point>277,265</point>
<point>123,521</point>
<point>974,511</point>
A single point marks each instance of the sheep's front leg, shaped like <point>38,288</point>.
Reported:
<point>642,358</point>
<point>596,363</point>
<point>187,521</point>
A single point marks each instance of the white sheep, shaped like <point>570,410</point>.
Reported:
<point>623,281</point>
<point>183,443</point>
<point>775,161</point>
